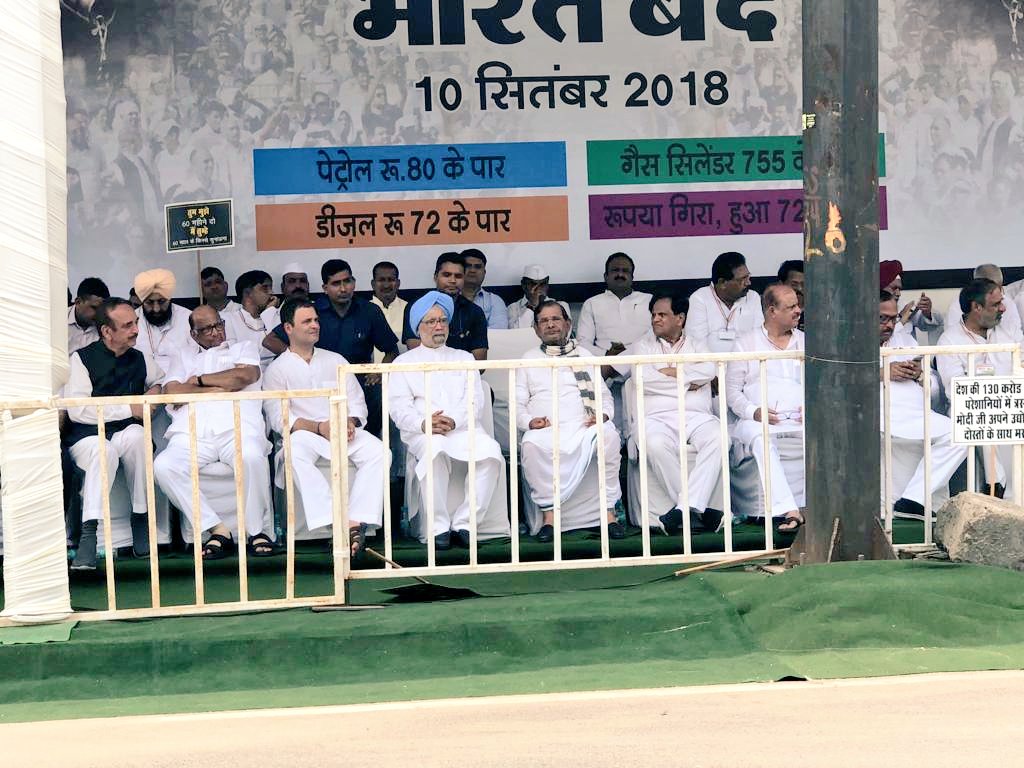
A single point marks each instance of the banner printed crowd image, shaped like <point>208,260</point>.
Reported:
<point>548,130</point>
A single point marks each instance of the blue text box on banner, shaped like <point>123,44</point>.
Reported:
<point>413,168</point>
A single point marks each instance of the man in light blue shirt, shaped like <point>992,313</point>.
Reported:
<point>493,306</point>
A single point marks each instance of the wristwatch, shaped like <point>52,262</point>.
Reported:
<point>200,380</point>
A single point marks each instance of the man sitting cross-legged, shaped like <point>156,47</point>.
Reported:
<point>306,366</point>
<point>577,424</point>
<point>220,366</point>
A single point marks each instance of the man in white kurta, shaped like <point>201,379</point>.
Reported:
<point>1010,320</point>
<point>907,415</point>
<point>917,316</point>
<point>785,399</point>
<point>725,309</point>
<point>257,315</point>
<point>305,366</point>
<point>578,427</point>
<point>981,324</point>
<point>536,282</point>
<point>661,411</point>
<point>221,366</point>
<point>437,434</point>
<point>163,326</point>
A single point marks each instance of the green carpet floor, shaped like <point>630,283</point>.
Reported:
<point>566,631</point>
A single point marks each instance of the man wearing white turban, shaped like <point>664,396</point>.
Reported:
<point>444,431</point>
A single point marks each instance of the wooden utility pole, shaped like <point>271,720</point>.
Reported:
<point>840,150</point>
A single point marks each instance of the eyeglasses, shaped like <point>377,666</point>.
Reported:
<point>210,328</point>
<point>438,321</point>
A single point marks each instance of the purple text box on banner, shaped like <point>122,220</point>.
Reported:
<point>703,214</point>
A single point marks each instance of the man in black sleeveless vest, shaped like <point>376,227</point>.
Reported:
<point>111,367</point>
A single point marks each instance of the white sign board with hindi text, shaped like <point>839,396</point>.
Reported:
<point>987,410</point>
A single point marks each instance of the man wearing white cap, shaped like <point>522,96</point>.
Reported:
<point>446,429</point>
<point>294,285</point>
<point>536,282</point>
<point>163,326</point>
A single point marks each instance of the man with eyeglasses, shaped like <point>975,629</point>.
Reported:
<point>785,415</point>
<point>220,366</point>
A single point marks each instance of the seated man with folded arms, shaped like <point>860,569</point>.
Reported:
<point>785,397</point>
<point>448,421</point>
<point>111,367</point>
<point>906,400</point>
<point>982,304</point>
<point>221,366</point>
<point>577,424</point>
<point>257,315</point>
<point>661,410</point>
<point>305,366</point>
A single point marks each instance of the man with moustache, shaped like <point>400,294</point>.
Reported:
<point>473,289</point>
<point>220,366</point>
<point>294,285</point>
<point>385,283</point>
<point>907,412</point>
<point>580,427</point>
<point>726,309</point>
<point>785,397</point>
<point>448,425</point>
<point>110,367</point>
<point>215,290</point>
<point>82,329</point>
<point>257,314</point>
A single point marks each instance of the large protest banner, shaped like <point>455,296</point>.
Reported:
<point>551,131</point>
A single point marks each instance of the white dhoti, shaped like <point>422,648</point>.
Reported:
<point>577,449</point>
<point>366,493</point>
<point>748,435</point>
<point>173,471</point>
<point>663,459</point>
<point>454,447</point>
<point>127,448</point>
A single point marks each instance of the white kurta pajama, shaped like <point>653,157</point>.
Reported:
<point>577,446</point>
<point>785,396</point>
<point>661,401</point>
<point>366,452</point>
<point>448,393</point>
<point>717,325</point>
<point>906,402</point>
<point>991,363</point>
<point>215,439</point>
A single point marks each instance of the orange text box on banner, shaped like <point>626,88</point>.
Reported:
<point>388,223</point>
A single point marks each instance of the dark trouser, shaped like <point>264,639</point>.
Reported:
<point>373,406</point>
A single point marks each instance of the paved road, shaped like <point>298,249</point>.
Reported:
<point>930,720</point>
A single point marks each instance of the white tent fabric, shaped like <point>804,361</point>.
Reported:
<point>33,330</point>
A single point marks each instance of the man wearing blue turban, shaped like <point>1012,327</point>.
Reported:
<point>436,432</point>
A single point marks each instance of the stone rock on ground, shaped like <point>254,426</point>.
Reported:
<point>975,528</point>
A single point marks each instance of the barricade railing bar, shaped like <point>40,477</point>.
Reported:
<point>343,572</point>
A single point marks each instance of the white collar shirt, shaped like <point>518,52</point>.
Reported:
<point>1010,324</point>
<point>606,319</point>
<point>163,343</point>
<point>289,371</point>
<point>394,313</point>
<point>79,337</point>
<point>717,325</point>
<point>217,418</point>
<point>988,363</point>
<point>785,377</point>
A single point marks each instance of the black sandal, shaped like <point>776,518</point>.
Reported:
<point>260,545</point>
<point>217,547</point>
<point>357,540</point>
<point>794,523</point>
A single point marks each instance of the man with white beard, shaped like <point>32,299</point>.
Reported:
<point>907,415</point>
<point>448,424</point>
<point>577,424</point>
<point>779,332</point>
<point>661,400</point>
<point>445,431</point>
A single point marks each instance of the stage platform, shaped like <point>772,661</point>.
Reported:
<point>529,633</point>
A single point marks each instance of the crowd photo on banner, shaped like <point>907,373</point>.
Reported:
<point>167,102</point>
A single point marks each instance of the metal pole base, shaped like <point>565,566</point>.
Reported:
<point>880,546</point>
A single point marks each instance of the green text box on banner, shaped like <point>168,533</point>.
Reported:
<point>690,161</point>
